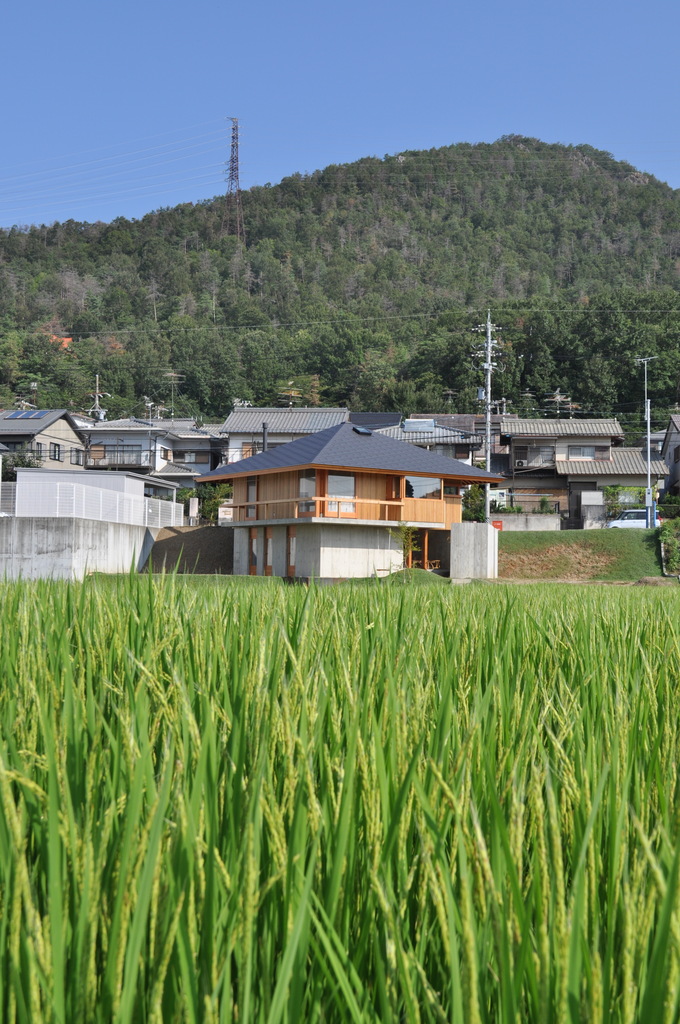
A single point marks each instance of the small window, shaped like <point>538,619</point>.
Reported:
<point>76,457</point>
<point>676,454</point>
<point>251,495</point>
<point>423,487</point>
<point>583,451</point>
<point>450,490</point>
<point>39,449</point>
<point>307,489</point>
<point>55,453</point>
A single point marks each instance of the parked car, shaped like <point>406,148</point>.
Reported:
<point>632,518</point>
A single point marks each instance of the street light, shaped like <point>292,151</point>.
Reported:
<point>648,501</point>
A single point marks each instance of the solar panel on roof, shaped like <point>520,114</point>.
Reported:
<point>27,414</point>
<point>362,430</point>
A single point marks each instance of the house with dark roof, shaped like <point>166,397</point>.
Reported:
<point>51,435</point>
<point>563,458</point>
<point>326,506</point>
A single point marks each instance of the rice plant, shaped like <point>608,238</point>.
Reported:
<point>225,802</point>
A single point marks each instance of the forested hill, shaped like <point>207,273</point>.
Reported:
<point>370,275</point>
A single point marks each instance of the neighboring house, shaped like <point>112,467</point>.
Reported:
<point>562,458</point>
<point>243,431</point>
<point>328,505</point>
<point>51,435</point>
<point>473,424</point>
<point>454,443</point>
<point>670,453</point>
<point>174,450</point>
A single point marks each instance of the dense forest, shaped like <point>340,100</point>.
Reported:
<point>367,280</point>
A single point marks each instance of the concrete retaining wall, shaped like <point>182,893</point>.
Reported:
<point>523,521</point>
<point>42,548</point>
<point>474,551</point>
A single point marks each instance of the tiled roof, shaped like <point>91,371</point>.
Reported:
<point>282,421</point>
<point>176,428</point>
<point>352,447</point>
<point>173,469</point>
<point>440,435</point>
<point>461,420</point>
<point>20,426</point>
<point>623,462</point>
<point>561,428</point>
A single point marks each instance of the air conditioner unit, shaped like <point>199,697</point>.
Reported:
<point>519,463</point>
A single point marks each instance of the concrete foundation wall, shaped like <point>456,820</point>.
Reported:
<point>520,521</point>
<point>42,548</point>
<point>474,551</point>
<point>357,552</point>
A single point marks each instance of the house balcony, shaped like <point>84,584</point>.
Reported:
<point>432,512</point>
<point>100,457</point>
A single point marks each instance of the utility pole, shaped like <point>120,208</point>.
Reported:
<point>175,380</point>
<point>488,366</point>
<point>649,501</point>
<point>95,409</point>
<point>232,221</point>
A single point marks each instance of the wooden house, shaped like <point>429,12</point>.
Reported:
<point>326,506</point>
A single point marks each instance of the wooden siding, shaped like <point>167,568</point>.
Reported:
<point>278,498</point>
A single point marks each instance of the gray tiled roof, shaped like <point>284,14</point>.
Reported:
<point>440,435</point>
<point>623,462</point>
<point>561,428</point>
<point>282,421</point>
<point>176,428</point>
<point>345,446</point>
<point>28,427</point>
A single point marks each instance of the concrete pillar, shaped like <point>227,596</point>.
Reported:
<point>474,551</point>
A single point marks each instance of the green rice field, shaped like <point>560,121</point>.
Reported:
<point>236,801</point>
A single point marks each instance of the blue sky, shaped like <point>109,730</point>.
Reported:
<point>117,108</point>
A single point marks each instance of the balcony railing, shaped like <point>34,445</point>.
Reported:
<point>108,457</point>
<point>417,510</point>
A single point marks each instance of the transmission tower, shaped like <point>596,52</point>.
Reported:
<point>233,210</point>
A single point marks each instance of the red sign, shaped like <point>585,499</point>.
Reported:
<point>498,523</point>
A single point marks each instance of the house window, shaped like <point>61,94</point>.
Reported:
<point>582,451</point>
<point>76,456</point>
<point>39,449</point>
<point>192,457</point>
<point>55,452</point>
<point>251,495</point>
<point>307,489</point>
<point>341,486</point>
<point>450,490</point>
<point>423,487</point>
<point>676,454</point>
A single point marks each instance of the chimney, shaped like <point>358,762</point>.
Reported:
<point>264,437</point>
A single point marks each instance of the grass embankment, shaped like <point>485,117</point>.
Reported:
<point>259,803</point>
<point>579,555</point>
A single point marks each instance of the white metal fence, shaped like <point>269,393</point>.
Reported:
<point>78,501</point>
<point>8,493</point>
